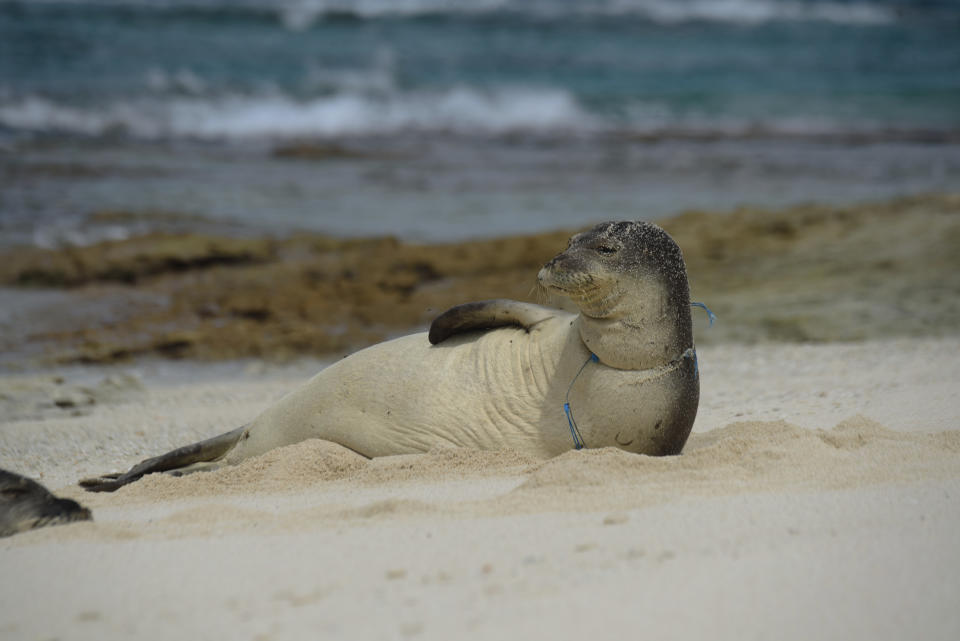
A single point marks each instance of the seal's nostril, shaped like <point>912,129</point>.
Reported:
<point>553,262</point>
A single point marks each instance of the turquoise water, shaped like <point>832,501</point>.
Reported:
<point>475,117</point>
<point>220,69</point>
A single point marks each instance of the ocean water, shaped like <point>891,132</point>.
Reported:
<point>442,119</point>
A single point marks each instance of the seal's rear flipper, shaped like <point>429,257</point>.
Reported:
<point>487,314</point>
<point>182,457</point>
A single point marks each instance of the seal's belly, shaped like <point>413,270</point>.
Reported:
<point>478,390</point>
<point>487,391</point>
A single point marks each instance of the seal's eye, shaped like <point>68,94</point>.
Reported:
<point>605,249</point>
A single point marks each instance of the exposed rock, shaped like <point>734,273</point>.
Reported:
<point>809,273</point>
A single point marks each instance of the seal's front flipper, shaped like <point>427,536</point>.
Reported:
<point>180,458</point>
<point>487,314</point>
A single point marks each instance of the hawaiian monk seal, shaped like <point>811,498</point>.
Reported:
<point>503,374</point>
<point>25,504</point>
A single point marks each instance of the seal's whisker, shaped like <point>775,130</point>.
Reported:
<point>536,292</point>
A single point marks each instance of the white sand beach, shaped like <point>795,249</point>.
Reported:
<point>819,497</point>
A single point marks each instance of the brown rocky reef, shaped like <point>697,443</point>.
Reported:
<point>807,273</point>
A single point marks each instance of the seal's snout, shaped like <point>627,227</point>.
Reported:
<point>546,274</point>
<point>550,263</point>
<point>543,274</point>
<point>569,273</point>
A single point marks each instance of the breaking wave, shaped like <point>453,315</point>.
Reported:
<point>460,110</point>
<point>298,14</point>
<point>301,14</point>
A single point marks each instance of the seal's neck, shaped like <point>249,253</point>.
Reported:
<point>640,332</point>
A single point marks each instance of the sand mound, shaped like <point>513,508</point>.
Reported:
<point>446,462</point>
<point>750,456</point>
<point>284,469</point>
<point>298,467</point>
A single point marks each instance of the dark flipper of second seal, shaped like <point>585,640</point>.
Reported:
<point>25,505</point>
<point>487,314</point>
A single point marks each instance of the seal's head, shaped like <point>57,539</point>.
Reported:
<point>25,504</point>
<point>630,283</point>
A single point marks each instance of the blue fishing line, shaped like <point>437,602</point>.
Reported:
<point>578,443</point>
<point>711,315</point>
<point>713,318</point>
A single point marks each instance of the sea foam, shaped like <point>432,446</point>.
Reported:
<point>301,14</point>
<point>275,115</point>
